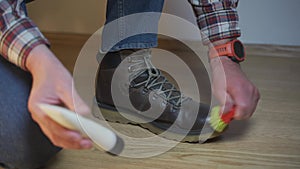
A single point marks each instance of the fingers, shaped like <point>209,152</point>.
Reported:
<point>59,135</point>
<point>228,104</point>
<point>80,106</point>
<point>65,138</point>
<point>220,92</point>
<point>246,100</point>
<point>73,101</point>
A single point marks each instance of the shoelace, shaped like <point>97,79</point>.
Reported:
<point>140,61</point>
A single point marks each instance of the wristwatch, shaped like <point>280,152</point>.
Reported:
<point>233,49</point>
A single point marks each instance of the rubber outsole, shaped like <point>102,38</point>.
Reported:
<point>116,117</point>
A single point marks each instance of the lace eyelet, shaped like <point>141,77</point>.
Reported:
<point>129,69</point>
<point>144,91</point>
<point>163,104</point>
<point>129,59</point>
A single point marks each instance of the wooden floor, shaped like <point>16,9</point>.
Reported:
<point>270,139</point>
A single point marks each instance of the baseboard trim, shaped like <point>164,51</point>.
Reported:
<point>251,49</point>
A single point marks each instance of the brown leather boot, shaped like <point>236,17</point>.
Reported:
<point>130,90</point>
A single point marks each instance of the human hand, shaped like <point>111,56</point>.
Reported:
<point>232,88</point>
<point>52,84</point>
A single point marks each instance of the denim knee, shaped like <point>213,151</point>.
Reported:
<point>23,164</point>
<point>22,143</point>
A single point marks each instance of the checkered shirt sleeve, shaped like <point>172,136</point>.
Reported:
<point>217,19</point>
<point>18,34</point>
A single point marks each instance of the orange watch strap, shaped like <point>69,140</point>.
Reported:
<point>221,50</point>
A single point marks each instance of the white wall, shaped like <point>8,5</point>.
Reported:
<point>270,21</point>
<point>261,21</point>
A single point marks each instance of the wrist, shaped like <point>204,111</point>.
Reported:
<point>40,58</point>
<point>224,64</point>
<point>223,59</point>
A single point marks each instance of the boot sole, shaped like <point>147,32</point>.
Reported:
<point>116,117</point>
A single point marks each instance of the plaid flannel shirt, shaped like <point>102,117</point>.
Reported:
<point>217,19</point>
<point>18,34</point>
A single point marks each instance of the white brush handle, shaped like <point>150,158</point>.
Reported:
<point>101,136</point>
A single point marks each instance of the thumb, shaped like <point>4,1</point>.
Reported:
<point>80,106</point>
<point>74,102</point>
<point>228,104</point>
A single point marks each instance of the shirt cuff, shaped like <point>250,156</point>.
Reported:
<point>18,41</point>
<point>219,25</point>
<point>217,20</point>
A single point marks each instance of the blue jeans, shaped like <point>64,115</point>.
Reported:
<point>22,143</point>
<point>118,31</point>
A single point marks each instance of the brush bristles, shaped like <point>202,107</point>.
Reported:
<point>215,120</point>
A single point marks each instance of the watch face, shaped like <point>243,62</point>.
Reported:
<point>239,50</point>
